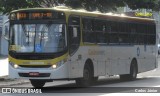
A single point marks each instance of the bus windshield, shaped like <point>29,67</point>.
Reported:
<point>37,38</point>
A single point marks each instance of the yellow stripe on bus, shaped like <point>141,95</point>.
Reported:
<point>38,62</point>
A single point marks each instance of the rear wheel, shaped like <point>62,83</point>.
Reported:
<point>87,78</point>
<point>133,72</point>
<point>37,83</point>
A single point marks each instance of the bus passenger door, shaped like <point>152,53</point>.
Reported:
<point>74,42</point>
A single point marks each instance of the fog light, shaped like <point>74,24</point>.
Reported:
<point>54,66</point>
<point>16,66</point>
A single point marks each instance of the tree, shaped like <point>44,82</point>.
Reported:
<point>99,5</point>
<point>112,5</point>
<point>48,3</point>
<point>146,4</point>
<point>91,5</point>
<point>7,6</point>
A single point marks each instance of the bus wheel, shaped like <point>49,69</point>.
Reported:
<point>87,78</point>
<point>133,72</point>
<point>37,83</point>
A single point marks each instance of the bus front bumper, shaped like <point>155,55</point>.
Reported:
<point>39,73</point>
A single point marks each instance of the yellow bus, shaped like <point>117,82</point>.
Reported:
<point>47,44</point>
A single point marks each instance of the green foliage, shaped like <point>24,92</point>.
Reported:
<point>138,4</point>
<point>7,6</point>
<point>112,5</point>
<point>99,5</point>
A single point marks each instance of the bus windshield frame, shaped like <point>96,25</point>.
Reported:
<point>38,37</point>
<point>31,35</point>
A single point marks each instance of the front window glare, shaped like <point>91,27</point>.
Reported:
<point>38,37</point>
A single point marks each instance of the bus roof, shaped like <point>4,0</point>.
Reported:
<point>83,12</point>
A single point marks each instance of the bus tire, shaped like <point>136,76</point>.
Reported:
<point>87,78</point>
<point>37,83</point>
<point>133,72</point>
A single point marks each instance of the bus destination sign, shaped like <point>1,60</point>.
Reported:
<point>37,15</point>
<point>41,15</point>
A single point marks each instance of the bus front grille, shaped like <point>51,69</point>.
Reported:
<point>37,66</point>
<point>40,75</point>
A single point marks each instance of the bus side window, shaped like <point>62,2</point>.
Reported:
<point>99,30</point>
<point>113,36</point>
<point>74,33</point>
<point>89,35</point>
<point>107,33</point>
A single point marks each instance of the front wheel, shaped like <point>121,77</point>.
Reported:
<point>87,78</point>
<point>37,83</point>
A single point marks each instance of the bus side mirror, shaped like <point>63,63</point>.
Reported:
<point>6,30</point>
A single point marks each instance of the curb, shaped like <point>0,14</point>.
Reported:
<point>14,83</point>
<point>3,78</point>
<point>6,81</point>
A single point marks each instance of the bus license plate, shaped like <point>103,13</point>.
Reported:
<point>34,73</point>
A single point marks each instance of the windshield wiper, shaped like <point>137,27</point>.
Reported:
<point>42,33</point>
<point>25,32</point>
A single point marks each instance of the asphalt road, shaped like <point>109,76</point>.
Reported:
<point>148,82</point>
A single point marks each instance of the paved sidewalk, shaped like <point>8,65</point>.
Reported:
<point>7,82</point>
<point>3,65</point>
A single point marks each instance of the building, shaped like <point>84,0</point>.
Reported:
<point>3,42</point>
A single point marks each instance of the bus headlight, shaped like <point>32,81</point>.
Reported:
<point>14,65</point>
<point>54,66</point>
<point>58,64</point>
